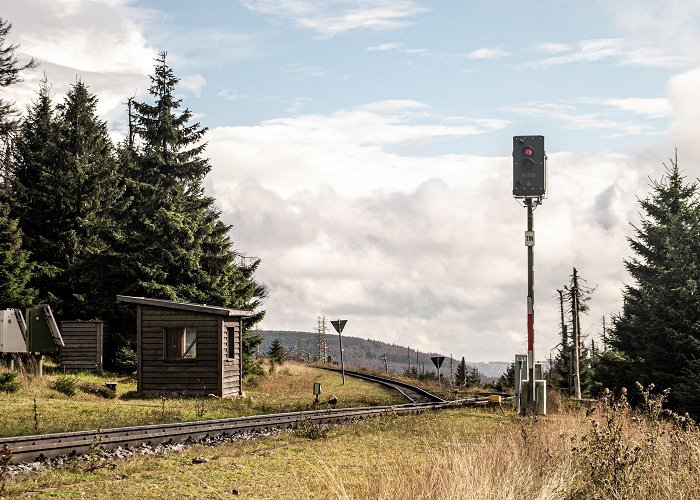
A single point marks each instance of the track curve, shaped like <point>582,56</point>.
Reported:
<point>414,393</point>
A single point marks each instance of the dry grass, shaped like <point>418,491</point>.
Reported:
<point>476,454</point>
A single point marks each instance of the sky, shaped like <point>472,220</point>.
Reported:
<point>362,149</point>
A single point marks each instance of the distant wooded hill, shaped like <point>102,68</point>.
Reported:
<point>367,353</point>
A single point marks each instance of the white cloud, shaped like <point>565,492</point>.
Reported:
<point>333,17</point>
<point>653,107</point>
<point>615,50</point>
<point>553,48</point>
<point>615,116</point>
<point>231,95</point>
<point>487,53</point>
<point>300,71</point>
<point>193,83</point>
<point>62,35</point>
<point>426,251</point>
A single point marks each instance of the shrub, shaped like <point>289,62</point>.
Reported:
<point>8,382</point>
<point>66,384</point>
<point>98,390</point>
<point>125,360</point>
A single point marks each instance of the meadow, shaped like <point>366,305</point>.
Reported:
<point>604,450</point>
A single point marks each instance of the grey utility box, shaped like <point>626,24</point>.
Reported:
<point>13,331</point>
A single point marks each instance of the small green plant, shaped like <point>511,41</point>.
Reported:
<point>125,360</point>
<point>98,390</point>
<point>5,458</point>
<point>65,384</point>
<point>9,382</point>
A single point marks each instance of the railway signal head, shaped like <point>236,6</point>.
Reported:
<point>529,168</point>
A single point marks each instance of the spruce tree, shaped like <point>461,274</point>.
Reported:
<point>65,184</point>
<point>461,375</point>
<point>276,352</point>
<point>15,268</point>
<point>656,337</point>
<point>177,247</point>
<point>32,182</point>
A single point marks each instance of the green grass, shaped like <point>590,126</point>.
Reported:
<point>290,465</point>
<point>462,453</point>
<point>289,388</point>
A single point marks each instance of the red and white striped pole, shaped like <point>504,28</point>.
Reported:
<point>530,242</point>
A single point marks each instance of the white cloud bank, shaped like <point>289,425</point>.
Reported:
<point>427,251</point>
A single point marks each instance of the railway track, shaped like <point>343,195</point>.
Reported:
<point>414,393</point>
<point>29,448</point>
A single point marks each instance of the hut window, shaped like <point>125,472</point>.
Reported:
<point>180,342</point>
<point>230,342</point>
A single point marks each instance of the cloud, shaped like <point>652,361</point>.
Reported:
<point>615,50</point>
<point>654,107</point>
<point>62,34</point>
<point>628,116</point>
<point>193,83</point>
<point>333,17</point>
<point>421,250</point>
<point>487,53</point>
<point>300,71</point>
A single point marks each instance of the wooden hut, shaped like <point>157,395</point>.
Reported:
<point>83,346</point>
<point>185,348</point>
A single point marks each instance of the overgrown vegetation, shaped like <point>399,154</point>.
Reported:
<point>66,384</point>
<point>616,452</point>
<point>9,382</point>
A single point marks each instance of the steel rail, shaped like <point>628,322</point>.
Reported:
<point>28,448</point>
<point>396,384</point>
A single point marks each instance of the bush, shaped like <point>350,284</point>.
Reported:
<point>8,382</point>
<point>125,360</point>
<point>66,384</point>
<point>98,390</point>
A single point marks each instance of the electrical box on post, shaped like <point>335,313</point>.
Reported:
<point>13,331</point>
<point>529,166</point>
<point>44,335</point>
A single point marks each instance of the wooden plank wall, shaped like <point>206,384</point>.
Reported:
<point>231,380</point>
<point>186,376</point>
<point>83,346</point>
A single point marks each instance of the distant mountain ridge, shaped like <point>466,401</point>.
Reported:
<point>368,353</point>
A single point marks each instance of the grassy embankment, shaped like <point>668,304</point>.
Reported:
<point>289,388</point>
<point>613,453</point>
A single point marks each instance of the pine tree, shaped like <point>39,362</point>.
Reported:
<point>276,352</point>
<point>461,375</point>
<point>177,247</point>
<point>66,186</point>
<point>15,268</point>
<point>656,337</point>
<point>33,179</point>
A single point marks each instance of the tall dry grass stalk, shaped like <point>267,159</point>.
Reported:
<point>614,452</point>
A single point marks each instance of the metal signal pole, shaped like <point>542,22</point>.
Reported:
<point>531,305</point>
<point>530,184</point>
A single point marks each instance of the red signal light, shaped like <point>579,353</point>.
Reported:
<point>528,151</point>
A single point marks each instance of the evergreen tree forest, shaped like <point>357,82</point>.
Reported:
<point>83,219</point>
